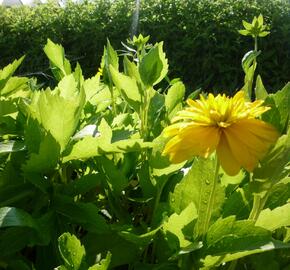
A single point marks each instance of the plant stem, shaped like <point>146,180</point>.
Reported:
<point>211,199</point>
<point>258,205</point>
<point>113,101</point>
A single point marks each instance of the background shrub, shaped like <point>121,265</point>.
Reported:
<point>200,37</point>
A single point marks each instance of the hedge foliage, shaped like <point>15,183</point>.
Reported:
<point>201,34</point>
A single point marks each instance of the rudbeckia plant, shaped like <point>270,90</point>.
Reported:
<point>118,171</point>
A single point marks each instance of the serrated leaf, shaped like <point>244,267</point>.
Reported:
<point>58,111</point>
<point>8,71</point>
<point>128,88</point>
<point>279,113</point>
<point>71,251</point>
<point>273,166</point>
<point>47,157</point>
<point>8,108</point>
<point>60,66</point>
<point>174,98</point>
<point>274,219</point>
<point>14,84</point>
<point>153,66</point>
<point>177,222</point>
<point>260,90</point>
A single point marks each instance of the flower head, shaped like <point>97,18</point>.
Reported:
<point>227,125</point>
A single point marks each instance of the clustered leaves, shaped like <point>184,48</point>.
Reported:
<point>84,184</point>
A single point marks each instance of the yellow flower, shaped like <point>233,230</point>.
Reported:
<point>224,124</point>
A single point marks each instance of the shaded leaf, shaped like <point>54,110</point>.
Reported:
<point>153,66</point>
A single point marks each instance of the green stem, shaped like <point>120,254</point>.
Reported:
<point>258,205</point>
<point>113,101</point>
<point>211,199</point>
<point>256,43</point>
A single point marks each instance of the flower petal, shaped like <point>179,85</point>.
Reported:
<point>227,160</point>
<point>240,151</point>
<point>190,141</point>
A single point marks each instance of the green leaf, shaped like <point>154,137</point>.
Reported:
<point>153,66</point>
<point>92,87</point>
<point>244,32</point>
<point>13,85</point>
<point>131,70</point>
<point>123,252</point>
<point>47,157</point>
<point>264,33</point>
<point>11,146</point>
<point>279,113</point>
<point>139,239</point>
<point>274,219</point>
<point>95,146</point>
<point>71,251</point>
<point>212,260</point>
<point>248,60</point>
<point>85,214</point>
<point>116,179</point>
<point>110,57</point>
<point>58,111</point>
<point>14,239</point>
<point>232,180</point>
<point>174,98</point>
<point>196,187</point>
<point>128,88</point>
<point>238,203</point>
<point>177,222</point>
<point>13,193</point>
<point>103,264</point>
<point>228,239</point>
<point>11,217</point>
<point>159,163</point>
<point>59,65</point>
<point>260,91</point>
<point>248,26</point>
<point>8,71</point>
<point>8,107</point>
<point>273,166</point>
<point>83,184</point>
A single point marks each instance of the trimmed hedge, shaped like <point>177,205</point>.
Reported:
<point>200,37</point>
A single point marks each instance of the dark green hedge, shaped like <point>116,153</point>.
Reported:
<point>200,36</point>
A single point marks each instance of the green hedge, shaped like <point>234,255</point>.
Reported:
<point>200,36</point>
